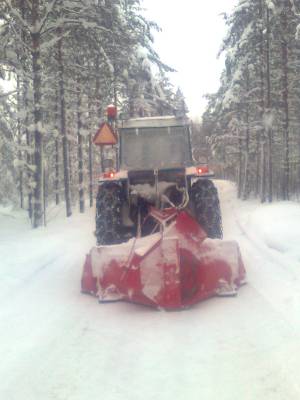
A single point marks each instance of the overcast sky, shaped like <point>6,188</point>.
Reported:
<point>192,33</point>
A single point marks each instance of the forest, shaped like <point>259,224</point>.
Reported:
<point>64,62</point>
<point>252,122</point>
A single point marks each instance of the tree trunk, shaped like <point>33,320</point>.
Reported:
<point>28,155</point>
<point>80,152</point>
<point>245,191</point>
<point>262,108</point>
<point>37,115</point>
<point>26,121</point>
<point>45,188</point>
<point>90,154</point>
<point>19,107</point>
<point>56,182</point>
<point>57,198</point>
<point>240,162</point>
<point>285,100</point>
<point>63,127</point>
<point>97,88</point>
<point>269,114</point>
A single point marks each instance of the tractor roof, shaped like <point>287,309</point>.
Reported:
<point>154,122</point>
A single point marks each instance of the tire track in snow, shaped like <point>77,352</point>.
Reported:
<point>15,290</point>
<point>40,269</point>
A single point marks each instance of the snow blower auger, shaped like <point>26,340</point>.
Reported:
<point>158,223</point>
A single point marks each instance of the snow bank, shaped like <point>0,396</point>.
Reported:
<point>274,228</point>
<point>278,226</point>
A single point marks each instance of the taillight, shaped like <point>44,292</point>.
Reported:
<point>202,170</point>
<point>109,175</point>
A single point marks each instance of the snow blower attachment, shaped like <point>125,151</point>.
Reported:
<point>172,269</point>
<point>159,230</point>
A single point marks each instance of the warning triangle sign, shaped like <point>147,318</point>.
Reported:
<point>105,136</point>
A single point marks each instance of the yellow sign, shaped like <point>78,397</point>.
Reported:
<point>105,136</point>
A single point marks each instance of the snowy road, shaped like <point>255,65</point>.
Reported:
<point>56,344</point>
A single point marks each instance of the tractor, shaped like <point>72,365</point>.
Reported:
<point>156,169</point>
<point>158,222</point>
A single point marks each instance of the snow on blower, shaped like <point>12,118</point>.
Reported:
<point>158,220</point>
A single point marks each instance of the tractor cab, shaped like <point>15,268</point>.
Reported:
<point>155,143</point>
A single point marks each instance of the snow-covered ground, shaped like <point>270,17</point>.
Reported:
<point>57,344</point>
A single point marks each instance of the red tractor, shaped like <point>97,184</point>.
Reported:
<point>158,223</point>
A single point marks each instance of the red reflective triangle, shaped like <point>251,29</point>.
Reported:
<point>105,135</point>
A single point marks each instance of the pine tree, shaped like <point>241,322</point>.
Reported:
<point>254,116</point>
<point>69,59</point>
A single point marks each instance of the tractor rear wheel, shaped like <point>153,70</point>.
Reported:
<point>207,208</point>
<point>108,214</point>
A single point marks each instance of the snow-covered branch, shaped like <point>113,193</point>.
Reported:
<point>3,95</point>
<point>15,13</point>
<point>50,8</point>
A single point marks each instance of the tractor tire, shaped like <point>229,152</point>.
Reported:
<point>108,214</point>
<point>207,207</point>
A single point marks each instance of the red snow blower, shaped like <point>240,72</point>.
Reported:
<point>158,222</point>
